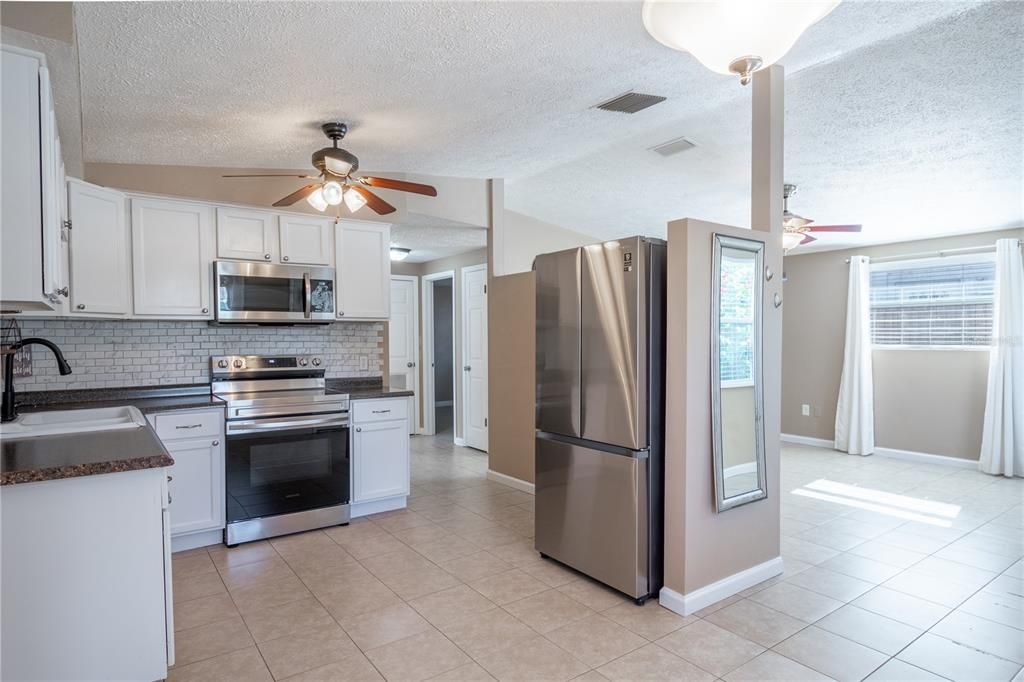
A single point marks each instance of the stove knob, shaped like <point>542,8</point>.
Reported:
<point>222,364</point>
<point>303,362</point>
<point>238,363</point>
<point>316,362</point>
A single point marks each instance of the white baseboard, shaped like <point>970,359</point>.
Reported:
<point>461,442</point>
<point>737,469</point>
<point>505,479</point>
<point>686,604</point>
<point>891,453</point>
<point>203,538</point>
<point>358,509</point>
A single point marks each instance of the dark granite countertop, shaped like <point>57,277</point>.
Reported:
<point>364,389</point>
<point>47,458</point>
<point>148,399</point>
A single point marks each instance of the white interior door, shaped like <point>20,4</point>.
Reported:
<point>403,340</point>
<point>474,356</point>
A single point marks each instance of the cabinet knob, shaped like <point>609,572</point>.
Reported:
<point>216,443</point>
<point>266,256</point>
<point>170,478</point>
<point>341,313</point>
<point>169,498</point>
<point>467,368</point>
<point>205,310</point>
<point>359,428</point>
<point>410,364</point>
<point>284,258</point>
<point>80,306</point>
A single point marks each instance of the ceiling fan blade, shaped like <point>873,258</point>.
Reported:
<point>808,239</point>
<point>400,185</point>
<point>377,204</point>
<point>270,175</point>
<point>834,228</point>
<point>298,194</point>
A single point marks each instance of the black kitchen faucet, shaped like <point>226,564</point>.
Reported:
<point>9,410</point>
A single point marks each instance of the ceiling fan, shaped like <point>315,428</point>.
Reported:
<point>796,228</point>
<point>336,182</point>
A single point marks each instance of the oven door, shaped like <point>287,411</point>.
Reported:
<point>264,293</point>
<point>285,465</point>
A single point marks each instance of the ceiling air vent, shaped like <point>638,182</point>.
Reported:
<point>630,103</point>
<point>672,147</point>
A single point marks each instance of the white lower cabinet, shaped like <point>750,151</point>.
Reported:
<point>380,451</point>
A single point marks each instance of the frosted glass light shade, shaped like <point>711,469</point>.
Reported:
<point>332,193</point>
<point>791,240</point>
<point>354,200</point>
<point>721,32</point>
<point>316,199</point>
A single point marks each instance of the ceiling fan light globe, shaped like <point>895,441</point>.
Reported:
<point>398,253</point>
<point>790,240</point>
<point>317,200</point>
<point>722,33</point>
<point>331,192</point>
<point>792,220</point>
<point>354,200</point>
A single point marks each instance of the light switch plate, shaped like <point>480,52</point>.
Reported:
<point>805,410</point>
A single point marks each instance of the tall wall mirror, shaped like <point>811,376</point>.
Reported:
<point>737,394</point>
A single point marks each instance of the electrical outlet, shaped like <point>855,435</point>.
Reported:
<point>805,410</point>
<point>364,363</point>
<point>817,411</point>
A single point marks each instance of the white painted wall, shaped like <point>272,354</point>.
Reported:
<point>519,239</point>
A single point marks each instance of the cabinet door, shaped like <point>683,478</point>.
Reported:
<point>171,258</point>
<point>363,270</point>
<point>196,485</point>
<point>380,460</point>
<point>244,234</point>
<point>53,187</point>
<point>98,251</point>
<point>305,241</point>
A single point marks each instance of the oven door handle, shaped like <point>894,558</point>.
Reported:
<point>308,290</point>
<point>241,428</point>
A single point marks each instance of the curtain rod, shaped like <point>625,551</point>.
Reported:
<point>936,254</point>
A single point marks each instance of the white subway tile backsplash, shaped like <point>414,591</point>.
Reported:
<point>115,353</point>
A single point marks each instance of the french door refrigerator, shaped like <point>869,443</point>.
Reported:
<point>600,411</point>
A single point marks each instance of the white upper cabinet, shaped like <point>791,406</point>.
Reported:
<point>363,270</point>
<point>305,241</point>
<point>172,251</point>
<point>98,252</point>
<point>246,234</point>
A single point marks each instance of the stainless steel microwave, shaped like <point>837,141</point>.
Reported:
<point>262,293</point>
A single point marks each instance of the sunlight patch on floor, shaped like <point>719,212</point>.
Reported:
<point>889,504</point>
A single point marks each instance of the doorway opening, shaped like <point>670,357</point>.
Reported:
<point>439,354</point>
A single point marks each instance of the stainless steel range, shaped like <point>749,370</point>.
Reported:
<point>287,456</point>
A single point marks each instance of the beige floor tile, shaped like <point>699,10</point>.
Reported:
<point>286,619</point>
<point>494,537</point>
<point>207,641</point>
<point>651,621</point>
<point>717,606</point>
<point>319,560</point>
<point>831,654</point>
<point>358,599</point>
<point>953,570</point>
<point>508,586</point>
<point>902,607</point>
<point>772,667</point>
<point>833,539</point>
<point>225,557</point>
<point>984,635</point>
<point>888,554</point>
<point>590,676</point>
<point>593,594</point>
<point>653,663</point>
<point>808,552</point>
<point>289,545</point>
<point>914,541</point>
<point>419,657</point>
<point>383,626</point>
<point>756,622</point>
<point>870,629</point>
<point>930,587</point>
<point>451,604</point>
<point>830,583</point>
<point>374,546</point>
<point>420,534</point>
<point>898,671</point>
<point>479,633</point>
<point>354,668</point>
<point>245,665</point>
<point>548,610</point>
<point>420,581</point>
<point>1001,608</point>
<point>256,573</point>
<point>402,521</point>
<point>475,566</point>
<point>796,601</point>
<point>355,531</point>
<point>398,561</point>
<point>187,588</point>
<point>266,595</point>
<point>595,640</point>
<point>532,659</point>
<point>470,672</point>
<point>306,650</point>
<point>192,564</point>
<point>956,661</point>
<point>518,552</point>
<point>446,548</point>
<point>551,573</point>
<point>710,647</point>
<point>204,610</point>
<point>861,568</point>
<point>336,578</point>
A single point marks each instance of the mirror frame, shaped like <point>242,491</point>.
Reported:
<point>723,503</point>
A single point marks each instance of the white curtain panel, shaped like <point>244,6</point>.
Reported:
<point>1002,437</point>
<point>855,411</point>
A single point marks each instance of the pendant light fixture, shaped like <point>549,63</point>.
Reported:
<point>733,36</point>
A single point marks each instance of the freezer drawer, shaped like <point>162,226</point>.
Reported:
<point>591,511</point>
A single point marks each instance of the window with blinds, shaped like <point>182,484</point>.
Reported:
<point>938,302</point>
<point>736,340</point>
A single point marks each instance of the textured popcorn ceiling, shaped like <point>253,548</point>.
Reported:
<point>430,239</point>
<point>904,116</point>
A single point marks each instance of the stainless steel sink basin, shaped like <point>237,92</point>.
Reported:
<point>62,422</point>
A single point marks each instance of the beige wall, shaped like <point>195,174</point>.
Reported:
<point>702,546</point>
<point>524,238</point>
<point>48,19</point>
<point>928,401</point>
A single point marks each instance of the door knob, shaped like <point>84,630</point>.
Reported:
<point>466,368</point>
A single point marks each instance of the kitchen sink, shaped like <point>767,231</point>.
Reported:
<point>62,422</point>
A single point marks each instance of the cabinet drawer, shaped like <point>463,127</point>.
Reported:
<point>386,409</point>
<point>175,426</point>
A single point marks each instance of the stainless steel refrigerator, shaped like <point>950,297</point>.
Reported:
<point>600,411</point>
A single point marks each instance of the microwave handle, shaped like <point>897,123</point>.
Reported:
<point>308,309</point>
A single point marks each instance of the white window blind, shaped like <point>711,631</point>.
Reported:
<point>944,302</point>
